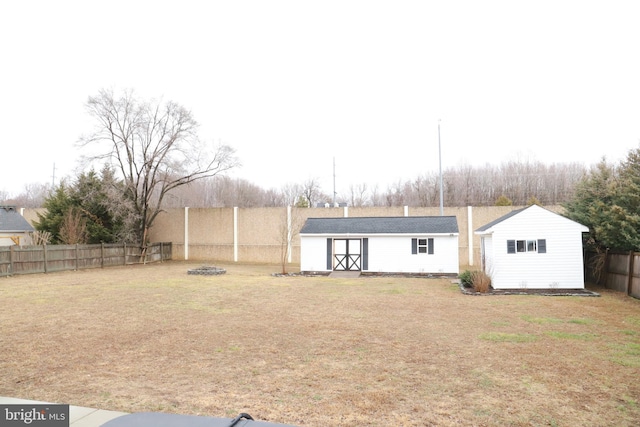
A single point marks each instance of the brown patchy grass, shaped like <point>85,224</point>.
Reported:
<point>315,351</point>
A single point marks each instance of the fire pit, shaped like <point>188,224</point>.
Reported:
<point>207,271</point>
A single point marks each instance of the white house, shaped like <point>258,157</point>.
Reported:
<point>533,248</point>
<point>418,244</point>
<point>14,229</point>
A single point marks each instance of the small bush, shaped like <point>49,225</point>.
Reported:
<point>481,282</point>
<point>465,279</point>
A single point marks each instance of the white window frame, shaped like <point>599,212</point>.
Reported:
<point>520,246</point>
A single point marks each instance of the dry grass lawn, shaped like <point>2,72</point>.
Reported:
<point>315,351</point>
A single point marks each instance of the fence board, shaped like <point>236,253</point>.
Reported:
<point>621,271</point>
<point>50,258</point>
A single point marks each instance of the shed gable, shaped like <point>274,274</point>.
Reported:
<point>533,248</point>
<point>530,217</point>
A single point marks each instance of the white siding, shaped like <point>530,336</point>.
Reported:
<point>5,238</point>
<point>387,254</point>
<point>487,243</point>
<point>560,267</point>
<point>393,254</point>
<point>313,253</point>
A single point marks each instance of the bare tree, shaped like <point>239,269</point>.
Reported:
<point>291,221</point>
<point>311,192</point>
<point>74,227</point>
<point>40,237</point>
<point>154,146</point>
<point>423,191</point>
<point>376,198</point>
<point>291,193</point>
<point>33,196</point>
<point>397,194</point>
<point>359,195</point>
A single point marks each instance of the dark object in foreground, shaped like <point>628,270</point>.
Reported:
<point>158,419</point>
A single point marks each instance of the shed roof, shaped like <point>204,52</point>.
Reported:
<point>12,221</point>
<point>515,212</point>
<point>382,225</point>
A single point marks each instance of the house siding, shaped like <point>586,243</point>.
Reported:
<point>313,253</point>
<point>560,267</point>
<point>387,254</point>
<point>5,238</point>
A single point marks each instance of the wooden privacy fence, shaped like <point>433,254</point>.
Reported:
<point>619,271</point>
<point>50,258</point>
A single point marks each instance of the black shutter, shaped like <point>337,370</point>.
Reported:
<point>365,254</point>
<point>542,246</point>
<point>414,246</point>
<point>329,253</point>
<point>511,246</point>
<point>430,246</point>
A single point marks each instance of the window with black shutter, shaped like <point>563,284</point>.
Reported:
<point>422,246</point>
<point>527,246</point>
<point>542,246</point>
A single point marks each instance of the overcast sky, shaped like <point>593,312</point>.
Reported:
<point>293,84</point>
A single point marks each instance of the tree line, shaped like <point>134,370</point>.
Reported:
<point>511,183</point>
<point>515,182</point>
<point>150,158</point>
<point>95,207</point>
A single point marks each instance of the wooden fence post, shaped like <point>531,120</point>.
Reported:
<point>630,272</point>
<point>102,255</point>
<point>44,256</point>
<point>11,258</point>
<point>124,253</point>
<point>606,268</point>
<point>77,260</point>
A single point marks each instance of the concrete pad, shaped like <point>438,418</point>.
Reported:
<point>89,417</point>
<point>79,416</point>
<point>16,401</point>
<point>345,274</point>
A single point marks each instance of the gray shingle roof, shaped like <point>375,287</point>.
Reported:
<point>11,220</point>
<point>382,225</point>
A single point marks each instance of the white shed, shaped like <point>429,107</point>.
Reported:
<point>533,248</point>
<point>419,244</point>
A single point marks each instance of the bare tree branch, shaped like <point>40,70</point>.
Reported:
<point>155,148</point>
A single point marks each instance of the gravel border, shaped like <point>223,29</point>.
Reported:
<point>541,292</point>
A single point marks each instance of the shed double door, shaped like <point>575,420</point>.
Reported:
<point>348,254</point>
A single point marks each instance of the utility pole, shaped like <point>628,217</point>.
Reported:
<point>440,161</point>
<point>53,177</point>
<point>334,181</point>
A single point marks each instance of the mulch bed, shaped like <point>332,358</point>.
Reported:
<point>541,292</point>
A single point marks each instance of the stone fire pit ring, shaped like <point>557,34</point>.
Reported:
<point>207,271</point>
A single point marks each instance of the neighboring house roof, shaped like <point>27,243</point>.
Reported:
<point>487,227</point>
<point>12,221</point>
<point>382,225</point>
